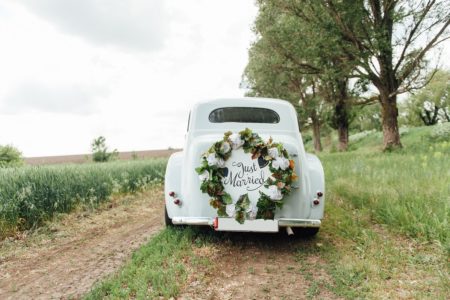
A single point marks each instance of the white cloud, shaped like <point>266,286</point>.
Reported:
<point>131,24</point>
<point>33,96</point>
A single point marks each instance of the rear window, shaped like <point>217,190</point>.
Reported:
<point>244,115</point>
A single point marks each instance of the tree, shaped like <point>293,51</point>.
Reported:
<point>293,60</point>
<point>387,40</point>
<point>432,103</point>
<point>272,75</point>
<point>100,150</point>
<point>10,157</point>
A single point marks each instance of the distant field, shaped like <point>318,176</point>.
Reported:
<point>82,158</point>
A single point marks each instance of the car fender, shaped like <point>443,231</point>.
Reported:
<point>317,184</point>
<point>172,184</point>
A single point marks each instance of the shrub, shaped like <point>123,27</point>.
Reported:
<point>10,156</point>
<point>100,150</point>
<point>441,132</point>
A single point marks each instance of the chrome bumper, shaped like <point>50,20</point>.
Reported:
<point>282,222</point>
<point>192,221</point>
<point>299,223</point>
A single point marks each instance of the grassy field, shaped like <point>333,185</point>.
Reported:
<point>31,195</point>
<point>385,233</point>
<point>409,190</point>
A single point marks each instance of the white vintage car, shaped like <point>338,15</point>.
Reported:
<point>244,168</point>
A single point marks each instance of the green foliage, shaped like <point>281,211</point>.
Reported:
<point>100,150</point>
<point>432,103</point>
<point>242,206</point>
<point>31,195</point>
<point>367,117</point>
<point>308,50</point>
<point>10,157</point>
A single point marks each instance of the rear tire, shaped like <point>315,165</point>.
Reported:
<point>167,220</point>
<point>307,232</point>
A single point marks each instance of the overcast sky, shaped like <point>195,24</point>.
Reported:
<point>128,70</point>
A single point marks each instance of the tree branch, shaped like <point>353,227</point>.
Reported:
<point>366,101</point>
<point>410,67</point>
<point>411,37</point>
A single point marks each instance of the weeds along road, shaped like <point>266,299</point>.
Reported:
<point>72,254</point>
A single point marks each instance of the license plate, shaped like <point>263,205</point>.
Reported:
<point>229,224</point>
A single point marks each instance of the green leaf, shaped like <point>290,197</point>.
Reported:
<point>200,170</point>
<point>227,199</point>
<point>244,202</point>
<point>221,211</point>
<point>240,217</point>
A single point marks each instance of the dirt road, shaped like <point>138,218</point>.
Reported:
<point>79,250</point>
<point>260,266</point>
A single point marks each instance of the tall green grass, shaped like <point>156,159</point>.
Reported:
<point>408,190</point>
<point>31,195</point>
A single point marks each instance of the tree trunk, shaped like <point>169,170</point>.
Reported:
<point>342,116</point>
<point>343,137</point>
<point>389,113</point>
<point>316,134</point>
<point>446,115</point>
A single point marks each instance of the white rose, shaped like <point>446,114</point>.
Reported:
<point>273,152</point>
<point>280,163</point>
<point>230,210</point>
<point>285,164</point>
<point>204,176</point>
<point>212,159</point>
<point>275,193</point>
<point>236,141</point>
<point>225,148</point>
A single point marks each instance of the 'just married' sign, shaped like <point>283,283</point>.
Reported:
<point>244,175</point>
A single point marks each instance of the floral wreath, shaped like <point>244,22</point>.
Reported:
<point>212,170</point>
